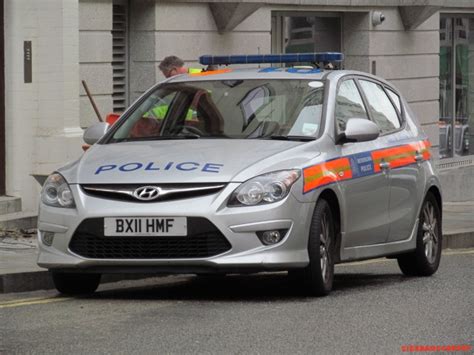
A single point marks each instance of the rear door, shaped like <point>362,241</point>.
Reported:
<point>366,194</point>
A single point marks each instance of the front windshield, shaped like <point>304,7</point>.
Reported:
<point>237,109</point>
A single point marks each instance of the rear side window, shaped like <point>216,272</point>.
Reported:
<point>349,104</point>
<point>380,106</point>
<point>396,100</point>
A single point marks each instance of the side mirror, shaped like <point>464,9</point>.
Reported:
<point>360,130</point>
<point>95,132</point>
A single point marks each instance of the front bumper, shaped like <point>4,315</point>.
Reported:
<point>237,224</point>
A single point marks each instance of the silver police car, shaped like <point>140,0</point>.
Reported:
<point>247,170</point>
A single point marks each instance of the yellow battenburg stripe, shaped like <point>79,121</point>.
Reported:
<point>326,173</point>
<point>340,169</point>
<point>401,155</point>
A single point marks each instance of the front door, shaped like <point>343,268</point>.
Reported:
<point>367,193</point>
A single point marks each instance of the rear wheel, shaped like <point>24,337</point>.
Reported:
<point>74,283</point>
<point>318,276</point>
<point>424,261</point>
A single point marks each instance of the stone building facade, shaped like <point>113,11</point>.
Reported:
<point>116,46</point>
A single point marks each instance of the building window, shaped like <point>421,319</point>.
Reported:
<point>302,32</point>
<point>120,56</point>
<point>456,86</point>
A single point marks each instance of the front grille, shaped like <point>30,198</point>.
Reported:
<point>125,192</point>
<point>203,240</point>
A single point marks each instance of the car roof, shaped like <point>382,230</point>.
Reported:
<point>230,73</point>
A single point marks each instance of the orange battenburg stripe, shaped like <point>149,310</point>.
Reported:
<point>402,155</point>
<point>211,72</point>
<point>340,169</point>
<point>326,173</point>
<point>425,149</point>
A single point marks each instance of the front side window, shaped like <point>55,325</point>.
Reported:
<point>349,104</point>
<point>239,109</point>
<point>381,109</point>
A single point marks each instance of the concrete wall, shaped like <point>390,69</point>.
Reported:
<point>408,59</point>
<point>142,60</point>
<point>188,31</point>
<point>42,116</point>
<point>95,58</point>
<point>457,183</point>
<point>72,40</point>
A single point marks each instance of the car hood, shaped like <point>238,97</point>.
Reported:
<point>184,161</point>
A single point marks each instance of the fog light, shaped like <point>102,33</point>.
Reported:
<point>271,237</point>
<point>47,238</point>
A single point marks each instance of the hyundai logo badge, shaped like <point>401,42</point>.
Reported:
<point>147,193</point>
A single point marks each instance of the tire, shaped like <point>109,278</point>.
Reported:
<point>424,261</point>
<point>75,284</point>
<point>317,278</point>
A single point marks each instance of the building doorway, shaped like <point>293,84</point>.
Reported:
<point>456,86</point>
<point>297,32</point>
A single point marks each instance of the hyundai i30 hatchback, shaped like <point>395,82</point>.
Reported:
<point>247,170</point>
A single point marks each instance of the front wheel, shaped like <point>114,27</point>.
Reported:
<point>424,261</point>
<point>75,283</point>
<point>318,276</point>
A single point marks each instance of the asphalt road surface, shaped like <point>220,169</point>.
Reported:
<point>373,309</point>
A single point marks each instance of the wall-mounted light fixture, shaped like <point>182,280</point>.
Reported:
<point>377,18</point>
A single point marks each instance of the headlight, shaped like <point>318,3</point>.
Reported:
<point>56,192</point>
<point>264,189</point>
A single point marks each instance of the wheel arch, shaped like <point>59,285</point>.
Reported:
<point>331,198</point>
<point>439,199</point>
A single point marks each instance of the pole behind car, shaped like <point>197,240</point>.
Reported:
<point>91,99</point>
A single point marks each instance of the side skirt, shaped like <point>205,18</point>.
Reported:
<point>383,249</point>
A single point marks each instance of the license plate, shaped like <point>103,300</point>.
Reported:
<point>145,226</point>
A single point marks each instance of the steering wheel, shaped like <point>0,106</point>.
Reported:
<point>188,129</point>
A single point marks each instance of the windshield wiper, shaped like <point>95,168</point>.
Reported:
<point>155,138</point>
<point>292,138</point>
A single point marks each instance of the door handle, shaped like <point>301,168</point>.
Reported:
<point>384,165</point>
<point>418,157</point>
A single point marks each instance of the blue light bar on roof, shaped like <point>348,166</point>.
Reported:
<point>271,58</point>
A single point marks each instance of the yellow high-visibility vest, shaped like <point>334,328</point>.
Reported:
<point>159,112</point>
<point>194,70</point>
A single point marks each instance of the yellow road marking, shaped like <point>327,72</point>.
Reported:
<point>24,300</point>
<point>460,252</point>
<point>32,301</point>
